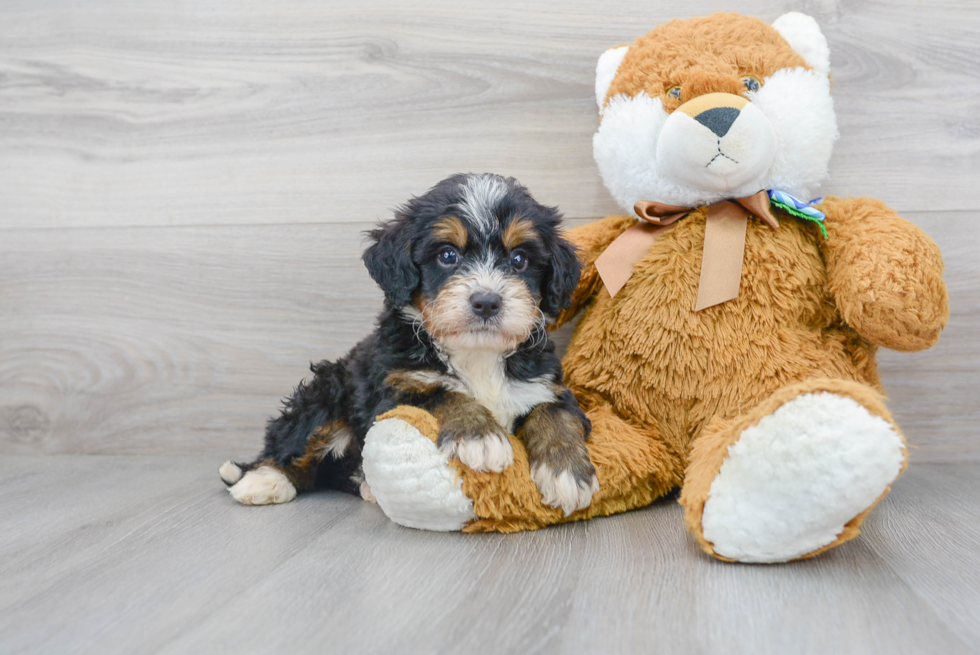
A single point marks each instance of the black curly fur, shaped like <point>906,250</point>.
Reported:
<point>348,394</point>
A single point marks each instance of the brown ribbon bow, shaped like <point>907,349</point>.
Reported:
<point>721,257</point>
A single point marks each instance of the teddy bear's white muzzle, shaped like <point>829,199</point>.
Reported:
<point>718,149</point>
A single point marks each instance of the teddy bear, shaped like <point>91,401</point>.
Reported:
<point>728,323</point>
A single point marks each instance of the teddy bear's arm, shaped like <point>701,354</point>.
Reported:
<point>885,274</point>
<point>589,241</point>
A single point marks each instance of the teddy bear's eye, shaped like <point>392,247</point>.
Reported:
<point>751,84</point>
<point>674,92</point>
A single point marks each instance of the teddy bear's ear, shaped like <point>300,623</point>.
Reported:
<point>605,71</point>
<point>804,35</point>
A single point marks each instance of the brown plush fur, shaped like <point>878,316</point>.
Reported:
<point>689,382</point>
<point>710,450</point>
<point>702,55</point>
<point>668,389</point>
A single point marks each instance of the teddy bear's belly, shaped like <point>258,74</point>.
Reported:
<point>660,363</point>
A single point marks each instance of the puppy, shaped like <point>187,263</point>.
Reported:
<point>472,272</point>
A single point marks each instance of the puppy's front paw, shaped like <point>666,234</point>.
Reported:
<point>490,451</point>
<point>565,490</point>
<point>560,466</point>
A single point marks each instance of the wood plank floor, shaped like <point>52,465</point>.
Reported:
<point>183,191</point>
<point>103,554</point>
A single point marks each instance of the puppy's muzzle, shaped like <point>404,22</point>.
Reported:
<point>485,304</point>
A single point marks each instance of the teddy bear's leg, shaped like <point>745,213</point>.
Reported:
<point>794,476</point>
<point>418,486</point>
<point>409,477</point>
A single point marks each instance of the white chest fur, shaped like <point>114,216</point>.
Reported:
<point>481,374</point>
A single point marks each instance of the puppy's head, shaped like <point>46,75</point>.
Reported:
<point>476,261</point>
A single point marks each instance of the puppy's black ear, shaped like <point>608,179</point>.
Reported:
<point>389,261</point>
<point>563,274</point>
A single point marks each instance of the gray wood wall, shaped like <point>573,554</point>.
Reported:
<point>183,186</point>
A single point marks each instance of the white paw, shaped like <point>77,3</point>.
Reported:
<point>366,493</point>
<point>263,486</point>
<point>563,490</point>
<point>412,480</point>
<point>230,472</point>
<point>490,453</point>
<point>791,482</point>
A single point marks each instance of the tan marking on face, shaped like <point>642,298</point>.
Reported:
<point>701,104</point>
<point>451,230</point>
<point>450,316</point>
<point>519,230</point>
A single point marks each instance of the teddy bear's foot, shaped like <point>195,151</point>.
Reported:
<point>795,476</point>
<point>409,477</point>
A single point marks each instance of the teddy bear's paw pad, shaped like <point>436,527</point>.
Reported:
<point>263,486</point>
<point>491,452</point>
<point>411,478</point>
<point>791,482</point>
<point>564,490</point>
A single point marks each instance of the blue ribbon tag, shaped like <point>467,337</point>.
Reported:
<point>798,208</point>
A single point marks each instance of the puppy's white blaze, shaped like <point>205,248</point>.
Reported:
<point>230,472</point>
<point>263,486</point>
<point>340,440</point>
<point>561,490</point>
<point>481,195</point>
<point>488,453</point>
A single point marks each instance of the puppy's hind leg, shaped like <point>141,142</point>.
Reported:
<point>296,442</point>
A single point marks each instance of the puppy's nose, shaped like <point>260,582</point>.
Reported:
<point>719,120</point>
<point>485,304</point>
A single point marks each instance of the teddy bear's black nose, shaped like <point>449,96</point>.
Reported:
<point>485,305</point>
<point>719,120</point>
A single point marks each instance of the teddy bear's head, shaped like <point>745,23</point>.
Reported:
<point>718,107</point>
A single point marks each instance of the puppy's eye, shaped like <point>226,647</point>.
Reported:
<point>675,92</point>
<point>518,260</point>
<point>752,84</point>
<point>448,256</point>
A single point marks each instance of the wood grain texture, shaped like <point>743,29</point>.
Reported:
<point>151,556</point>
<point>182,340</point>
<point>184,185</point>
<point>222,112</point>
